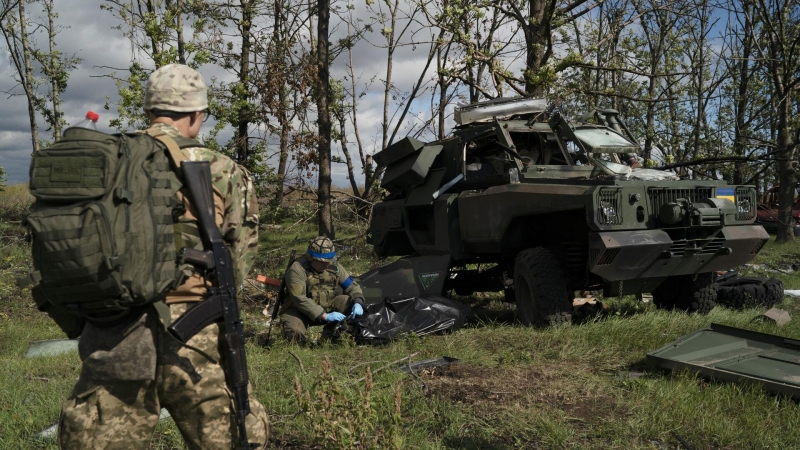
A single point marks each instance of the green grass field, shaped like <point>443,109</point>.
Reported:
<point>586,386</point>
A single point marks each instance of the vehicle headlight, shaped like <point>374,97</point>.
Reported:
<point>608,211</point>
<point>743,206</point>
<point>745,200</point>
<point>608,204</point>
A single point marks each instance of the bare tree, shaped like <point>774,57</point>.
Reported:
<point>325,219</point>
<point>17,38</point>
<point>55,67</point>
<point>778,45</point>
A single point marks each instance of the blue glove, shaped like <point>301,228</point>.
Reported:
<point>334,317</point>
<point>357,311</point>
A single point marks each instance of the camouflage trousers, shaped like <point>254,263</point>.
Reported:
<point>295,324</point>
<point>131,371</point>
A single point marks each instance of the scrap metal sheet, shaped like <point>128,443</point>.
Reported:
<point>733,354</point>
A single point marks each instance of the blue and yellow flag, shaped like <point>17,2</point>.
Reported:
<point>726,192</point>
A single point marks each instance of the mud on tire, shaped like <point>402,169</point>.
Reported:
<point>540,290</point>
<point>750,292</point>
<point>692,293</point>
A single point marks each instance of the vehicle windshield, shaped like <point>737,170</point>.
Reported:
<point>612,168</point>
<point>604,140</point>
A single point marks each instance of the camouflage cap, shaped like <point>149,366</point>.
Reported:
<point>321,249</point>
<point>176,87</point>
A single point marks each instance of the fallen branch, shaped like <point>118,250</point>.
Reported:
<point>682,441</point>
<point>363,364</point>
<point>302,368</point>
<point>302,221</point>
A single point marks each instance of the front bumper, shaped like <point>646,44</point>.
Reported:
<point>632,255</point>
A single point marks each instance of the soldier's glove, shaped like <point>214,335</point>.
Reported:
<point>334,317</point>
<point>357,311</point>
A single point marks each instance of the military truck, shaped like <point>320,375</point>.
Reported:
<point>519,199</point>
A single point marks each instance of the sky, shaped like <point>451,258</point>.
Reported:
<point>92,37</point>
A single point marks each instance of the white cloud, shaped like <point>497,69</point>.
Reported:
<point>87,32</point>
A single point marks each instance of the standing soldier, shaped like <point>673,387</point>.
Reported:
<point>312,283</point>
<point>133,369</point>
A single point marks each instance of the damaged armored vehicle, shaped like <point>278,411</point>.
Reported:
<point>521,200</point>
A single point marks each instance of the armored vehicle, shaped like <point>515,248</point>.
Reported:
<point>521,200</point>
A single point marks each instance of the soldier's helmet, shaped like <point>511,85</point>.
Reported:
<point>176,87</point>
<point>321,249</point>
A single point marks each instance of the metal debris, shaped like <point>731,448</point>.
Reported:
<point>444,361</point>
<point>51,347</point>
<point>733,354</point>
<point>48,433</point>
<point>777,316</point>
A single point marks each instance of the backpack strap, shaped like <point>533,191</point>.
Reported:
<point>174,146</point>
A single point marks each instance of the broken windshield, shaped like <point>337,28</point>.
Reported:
<point>604,140</point>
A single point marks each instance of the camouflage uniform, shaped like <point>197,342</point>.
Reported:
<point>131,370</point>
<point>310,294</point>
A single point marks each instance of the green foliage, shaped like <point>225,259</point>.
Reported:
<point>130,108</point>
<point>15,201</point>
<point>291,211</point>
<point>344,418</point>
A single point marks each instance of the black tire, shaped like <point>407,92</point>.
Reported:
<point>509,295</point>
<point>540,290</point>
<point>464,292</point>
<point>692,293</point>
<point>750,292</point>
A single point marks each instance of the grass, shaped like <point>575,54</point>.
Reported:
<point>582,386</point>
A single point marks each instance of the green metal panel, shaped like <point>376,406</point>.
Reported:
<point>410,170</point>
<point>417,276</point>
<point>399,149</point>
<point>422,194</point>
<point>733,354</point>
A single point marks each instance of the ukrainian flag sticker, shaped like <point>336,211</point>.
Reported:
<point>726,192</point>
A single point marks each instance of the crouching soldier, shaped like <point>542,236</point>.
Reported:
<point>312,283</point>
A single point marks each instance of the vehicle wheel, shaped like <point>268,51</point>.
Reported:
<point>750,292</point>
<point>540,290</point>
<point>509,295</point>
<point>692,293</point>
<point>464,292</point>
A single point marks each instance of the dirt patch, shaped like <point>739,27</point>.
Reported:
<point>566,388</point>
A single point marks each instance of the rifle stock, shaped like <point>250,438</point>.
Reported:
<point>221,303</point>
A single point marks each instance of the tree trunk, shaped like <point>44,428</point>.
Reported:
<point>27,76</point>
<point>286,127</point>
<point>388,86</point>
<point>242,132</point>
<point>282,106</point>
<point>179,29</point>
<point>324,122</point>
<point>742,101</point>
<point>786,175</point>
<point>537,35</point>
<point>55,84</point>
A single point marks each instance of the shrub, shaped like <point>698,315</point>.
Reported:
<point>15,201</point>
<point>345,419</point>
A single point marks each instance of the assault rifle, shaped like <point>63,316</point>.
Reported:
<point>281,295</point>
<point>221,303</point>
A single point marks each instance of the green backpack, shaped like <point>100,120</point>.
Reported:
<point>102,225</point>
